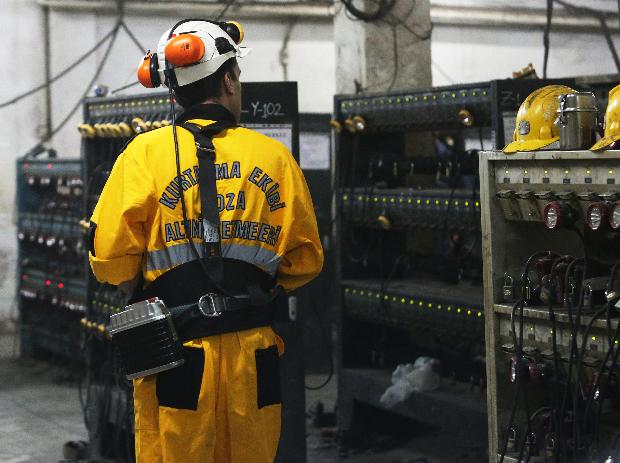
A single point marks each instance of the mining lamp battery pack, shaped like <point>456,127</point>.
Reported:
<point>145,338</point>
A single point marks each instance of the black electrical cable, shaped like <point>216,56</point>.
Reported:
<point>77,105</point>
<point>384,7</point>
<point>326,343</point>
<point>62,73</point>
<point>600,16</point>
<point>223,12</point>
<point>573,345</point>
<point>554,347</point>
<point>517,347</point>
<point>546,37</point>
<point>599,374</point>
<point>580,357</point>
<point>132,37</point>
<point>515,400</point>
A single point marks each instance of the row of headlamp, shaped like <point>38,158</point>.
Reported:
<point>598,216</point>
<point>120,129</point>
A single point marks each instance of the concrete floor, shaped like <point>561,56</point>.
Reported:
<point>40,411</point>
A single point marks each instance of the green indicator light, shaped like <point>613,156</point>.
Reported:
<point>593,338</point>
<point>378,296</point>
<point>400,200</point>
<point>416,98</point>
<point>466,203</point>
<point>384,199</point>
<point>446,202</point>
<point>477,203</point>
<point>480,314</point>
<point>430,305</point>
<point>434,97</point>
<point>419,201</point>
<point>485,93</point>
<point>439,307</point>
<point>346,290</point>
<point>468,313</point>
<point>397,100</point>
<point>345,197</point>
<point>459,310</point>
<point>375,199</point>
<point>456,203</point>
<point>428,201</point>
<point>474,93</point>
<point>436,202</point>
<point>411,301</point>
<point>386,297</point>
<point>360,198</point>
<point>409,200</point>
<point>365,103</point>
<point>449,308</point>
<point>425,97</point>
<point>392,200</point>
<point>616,341</point>
<point>403,300</point>
<point>354,291</point>
<point>453,95</point>
<point>420,303</point>
<point>362,293</point>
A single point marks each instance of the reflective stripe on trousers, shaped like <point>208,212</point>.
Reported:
<point>221,406</point>
<point>180,253</point>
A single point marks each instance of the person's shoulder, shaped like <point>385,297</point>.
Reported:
<point>259,139</point>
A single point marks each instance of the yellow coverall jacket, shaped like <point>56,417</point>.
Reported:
<point>220,406</point>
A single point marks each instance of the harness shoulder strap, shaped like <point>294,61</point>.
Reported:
<point>205,151</point>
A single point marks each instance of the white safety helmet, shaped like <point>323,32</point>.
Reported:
<point>194,50</point>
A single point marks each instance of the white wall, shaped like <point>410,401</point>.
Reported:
<point>472,54</point>
<point>22,68</point>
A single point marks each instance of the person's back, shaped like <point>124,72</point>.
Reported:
<point>257,234</point>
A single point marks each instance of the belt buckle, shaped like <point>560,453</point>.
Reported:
<point>207,307</point>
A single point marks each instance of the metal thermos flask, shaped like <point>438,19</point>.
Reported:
<point>577,120</point>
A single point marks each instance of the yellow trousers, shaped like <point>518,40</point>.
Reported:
<point>221,406</point>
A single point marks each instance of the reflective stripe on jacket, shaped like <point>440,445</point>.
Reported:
<point>266,212</point>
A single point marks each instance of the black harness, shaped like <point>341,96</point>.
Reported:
<point>213,295</point>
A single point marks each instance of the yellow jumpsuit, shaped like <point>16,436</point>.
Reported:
<point>223,404</point>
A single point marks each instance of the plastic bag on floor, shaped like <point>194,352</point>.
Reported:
<point>407,378</point>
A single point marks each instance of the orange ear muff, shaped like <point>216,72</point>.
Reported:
<point>147,71</point>
<point>185,49</point>
<point>235,31</point>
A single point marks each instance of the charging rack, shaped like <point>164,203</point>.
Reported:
<point>514,193</point>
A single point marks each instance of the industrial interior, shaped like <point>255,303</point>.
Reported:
<point>463,163</point>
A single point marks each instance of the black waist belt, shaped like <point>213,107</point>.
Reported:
<point>216,314</point>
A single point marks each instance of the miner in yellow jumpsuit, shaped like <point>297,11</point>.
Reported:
<point>223,404</point>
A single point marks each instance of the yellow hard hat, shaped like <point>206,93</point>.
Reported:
<point>535,127</point>
<point>612,121</point>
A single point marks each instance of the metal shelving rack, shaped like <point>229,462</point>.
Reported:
<point>512,230</point>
